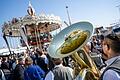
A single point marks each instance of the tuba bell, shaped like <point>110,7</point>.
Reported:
<point>69,42</point>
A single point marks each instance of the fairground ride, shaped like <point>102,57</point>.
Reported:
<point>33,29</point>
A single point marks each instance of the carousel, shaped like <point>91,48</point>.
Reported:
<point>33,30</point>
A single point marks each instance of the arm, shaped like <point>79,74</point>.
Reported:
<point>26,77</point>
<point>40,71</point>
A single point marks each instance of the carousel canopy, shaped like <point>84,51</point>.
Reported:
<point>44,23</point>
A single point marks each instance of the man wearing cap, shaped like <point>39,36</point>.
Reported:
<point>111,49</point>
<point>59,72</point>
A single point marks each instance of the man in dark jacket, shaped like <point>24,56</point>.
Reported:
<point>5,64</point>
<point>19,70</point>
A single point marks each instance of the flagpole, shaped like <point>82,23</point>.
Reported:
<point>68,15</point>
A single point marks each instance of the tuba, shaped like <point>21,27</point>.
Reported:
<point>71,42</point>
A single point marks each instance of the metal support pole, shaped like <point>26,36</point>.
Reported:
<point>68,15</point>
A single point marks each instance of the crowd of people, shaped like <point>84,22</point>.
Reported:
<point>38,65</point>
<point>33,65</point>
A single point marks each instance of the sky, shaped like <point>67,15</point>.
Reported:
<point>98,12</point>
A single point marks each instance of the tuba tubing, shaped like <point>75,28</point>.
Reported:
<point>91,63</point>
<point>86,68</point>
